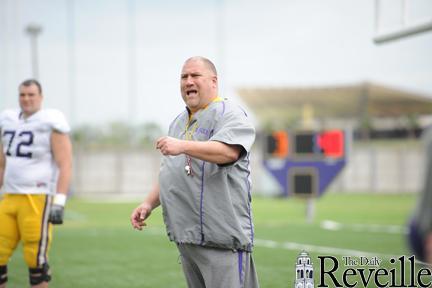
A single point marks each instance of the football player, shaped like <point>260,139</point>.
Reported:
<point>35,172</point>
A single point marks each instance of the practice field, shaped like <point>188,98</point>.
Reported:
<point>98,248</point>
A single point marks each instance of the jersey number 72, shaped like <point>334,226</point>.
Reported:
<point>25,139</point>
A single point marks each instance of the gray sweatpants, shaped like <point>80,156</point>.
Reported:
<point>207,267</point>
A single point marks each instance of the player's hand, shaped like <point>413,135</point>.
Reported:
<point>56,214</point>
<point>169,145</point>
<point>139,215</point>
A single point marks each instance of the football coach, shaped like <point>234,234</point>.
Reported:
<point>204,184</point>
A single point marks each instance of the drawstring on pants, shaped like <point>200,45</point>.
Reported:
<point>33,204</point>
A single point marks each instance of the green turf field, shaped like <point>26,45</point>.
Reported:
<point>96,247</point>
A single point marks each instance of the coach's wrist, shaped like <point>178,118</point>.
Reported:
<point>186,146</point>
<point>60,199</point>
<point>147,206</point>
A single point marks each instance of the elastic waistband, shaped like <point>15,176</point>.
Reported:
<point>23,194</point>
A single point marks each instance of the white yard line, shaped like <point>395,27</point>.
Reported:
<point>324,250</point>
<point>390,229</point>
<point>317,249</point>
<point>293,246</point>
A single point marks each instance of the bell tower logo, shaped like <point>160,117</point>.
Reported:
<point>304,271</point>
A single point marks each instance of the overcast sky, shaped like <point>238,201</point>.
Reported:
<point>119,60</point>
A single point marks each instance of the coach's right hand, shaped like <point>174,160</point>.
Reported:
<point>139,215</point>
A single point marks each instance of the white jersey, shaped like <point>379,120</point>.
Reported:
<point>30,166</point>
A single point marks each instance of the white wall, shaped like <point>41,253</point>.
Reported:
<point>131,174</point>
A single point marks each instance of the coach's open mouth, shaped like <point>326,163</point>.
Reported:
<point>189,92</point>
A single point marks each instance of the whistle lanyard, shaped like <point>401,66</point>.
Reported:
<point>189,136</point>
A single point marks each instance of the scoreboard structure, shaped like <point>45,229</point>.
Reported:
<point>304,163</point>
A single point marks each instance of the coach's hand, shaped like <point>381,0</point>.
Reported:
<point>170,146</point>
<point>139,215</point>
<point>56,214</point>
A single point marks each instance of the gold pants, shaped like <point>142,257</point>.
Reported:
<point>24,217</point>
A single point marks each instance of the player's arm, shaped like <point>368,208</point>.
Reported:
<point>143,211</point>
<point>62,151</point>
<point>210,151</point>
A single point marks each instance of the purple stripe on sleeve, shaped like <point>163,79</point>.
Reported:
<point>223,109</point>
<point>174,121</point>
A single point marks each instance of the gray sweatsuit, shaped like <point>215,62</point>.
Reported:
<point>211,207</point>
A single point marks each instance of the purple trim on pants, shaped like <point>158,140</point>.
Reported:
<point>44,234</point>
<point>201,202</point>
<point>250,199</point>
<point>240,266</point>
